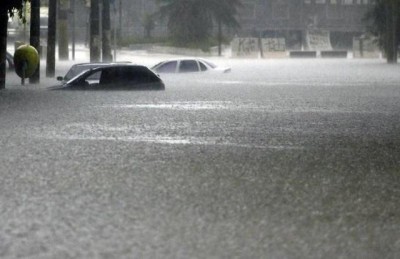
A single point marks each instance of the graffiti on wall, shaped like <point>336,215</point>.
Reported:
<point>318,40</point>
<point>245,47</point>
<point>249,47</point>
<point>273,44</point>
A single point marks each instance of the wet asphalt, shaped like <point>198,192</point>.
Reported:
<point>277,159</point>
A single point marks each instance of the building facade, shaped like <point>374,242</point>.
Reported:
<point>291,19</point>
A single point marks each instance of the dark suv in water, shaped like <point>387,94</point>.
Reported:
<point>115,77</point>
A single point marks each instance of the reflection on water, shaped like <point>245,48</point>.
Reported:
<point>96,132</point>
<point>228,105</point>
<point>210,105</point>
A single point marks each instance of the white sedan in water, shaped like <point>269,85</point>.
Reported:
<point>188,65</point>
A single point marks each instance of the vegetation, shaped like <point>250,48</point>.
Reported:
<point>7,9</point>
<point>191,22</point>
<point>148,24</point>
<point>384,23</point>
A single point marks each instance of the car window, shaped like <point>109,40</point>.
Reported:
<point>94,78</point>
<point>77,69</point>
<point>168,67</point>
<point>110,76</point>
<point>139,75</point>
<point>202,66</point>
<point>129,76</point>
<point>188,66</point>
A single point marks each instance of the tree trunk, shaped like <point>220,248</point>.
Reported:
<point>3,46</point>
<point>394,30</point>
<point>63,40</point>
<point>35,36</point>
<point>51,39</point>
<point>106,39</point>
<point>391,33</point>
<point>94,32</point>
<point>219,38</point>
<point>119,31</point>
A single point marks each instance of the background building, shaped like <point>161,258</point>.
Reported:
<point>291,19</point>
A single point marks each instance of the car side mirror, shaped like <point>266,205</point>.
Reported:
<point>60,78</point>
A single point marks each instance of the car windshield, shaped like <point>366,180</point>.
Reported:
<point>212,65</point>
<point>75,70</point>
<point>84,74</point>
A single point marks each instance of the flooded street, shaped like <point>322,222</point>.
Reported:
<point>277,159</point>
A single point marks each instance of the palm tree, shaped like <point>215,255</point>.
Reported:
<point>187,20</point>
<point>224,13</point>
<point>191,21</point>
<point>7,8</point>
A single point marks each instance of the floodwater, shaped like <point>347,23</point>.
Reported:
<point>277,159</point>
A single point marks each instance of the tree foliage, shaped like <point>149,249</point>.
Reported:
<point>148,23</point>
<point>191,21</point>
<point>14,5</point>
<point>224,11</point>
<point>384,23</point>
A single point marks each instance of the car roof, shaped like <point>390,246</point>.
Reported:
<point>119,65</point>
<point>95,69</point>
<point>100,63</point>
<point>183,58</point>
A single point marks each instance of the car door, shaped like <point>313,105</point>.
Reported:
<point>141,78</point>
<point>110,76</point>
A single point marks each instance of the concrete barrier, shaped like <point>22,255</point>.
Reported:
<point>303,54</point>
<point>334,54</point>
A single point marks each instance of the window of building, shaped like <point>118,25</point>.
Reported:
<point>334,11</point>
<point>280,9</point>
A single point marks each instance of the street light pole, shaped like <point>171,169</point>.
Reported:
<point>51,39</point>
<point>115,31</point>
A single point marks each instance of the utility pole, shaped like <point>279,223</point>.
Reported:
<point>51,39</point>
<point>94,32</point>
<point>120,20</point>
<point>72,10</point>
<point>35,36</point>
<point>394,9</point>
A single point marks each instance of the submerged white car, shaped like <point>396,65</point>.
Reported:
<point>188,65</point>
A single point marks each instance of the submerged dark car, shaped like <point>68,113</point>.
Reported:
<point>76,69</point>
<point>115,77</point>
